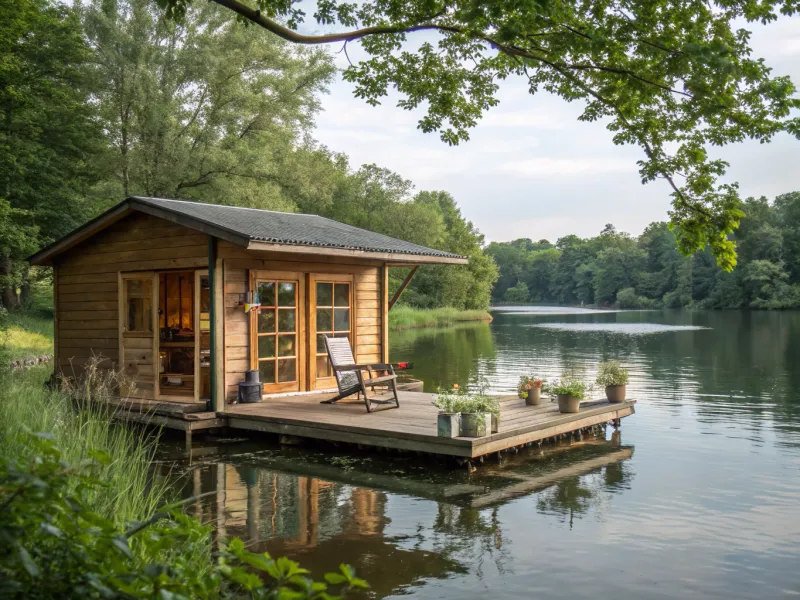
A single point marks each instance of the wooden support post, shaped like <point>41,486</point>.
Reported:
<point>385,313</point>
<point>216,315</point>
<point>402,287</point>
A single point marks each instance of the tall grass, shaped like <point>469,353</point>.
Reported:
<point>405,317</point>
<point>83,430</point>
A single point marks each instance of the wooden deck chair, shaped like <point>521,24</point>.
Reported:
<point>350,377</point>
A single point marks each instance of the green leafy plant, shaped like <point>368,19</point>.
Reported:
<point>477,404</point>
<point>568,385</point>
<point>445,400</point>
<point>611,373</point>
<point>459,401</point>
<point>53,545</point>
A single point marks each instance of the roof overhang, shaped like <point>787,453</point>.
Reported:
<point>118,212</point>
<point>389,257</point>
<point>45,256</point>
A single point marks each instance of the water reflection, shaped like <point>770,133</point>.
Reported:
<point>428,525</point>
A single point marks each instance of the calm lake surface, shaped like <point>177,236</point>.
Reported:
<point>698,495</point>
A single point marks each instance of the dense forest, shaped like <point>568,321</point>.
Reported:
<point>617,269</point>
<point>107,99</point>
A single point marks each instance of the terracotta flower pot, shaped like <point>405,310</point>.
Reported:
<point>568,404</point>
<point>615,393</point>
<point>534,396</point>
<point>475,424</point>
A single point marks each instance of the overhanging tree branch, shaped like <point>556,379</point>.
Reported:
<point>290,35</point>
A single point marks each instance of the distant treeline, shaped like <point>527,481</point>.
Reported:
<point>617,269</point>
<point>102,100</point>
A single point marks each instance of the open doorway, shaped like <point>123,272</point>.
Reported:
<point>184,347</point>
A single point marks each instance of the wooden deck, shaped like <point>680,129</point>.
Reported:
<point>413,425</point>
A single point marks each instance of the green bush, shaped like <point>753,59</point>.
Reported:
<point>627,298</point>
<point>53,545</point>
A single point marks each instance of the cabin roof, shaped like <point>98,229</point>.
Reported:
<point>258,229</point>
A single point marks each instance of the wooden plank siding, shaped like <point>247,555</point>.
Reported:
<point>371,330</point>
<point>86,288</point>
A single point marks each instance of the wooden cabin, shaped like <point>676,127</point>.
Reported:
<point>185,297</point>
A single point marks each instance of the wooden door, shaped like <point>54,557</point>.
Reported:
<point>278,331</point>
<point>138,324</point>
<point>332,304</point>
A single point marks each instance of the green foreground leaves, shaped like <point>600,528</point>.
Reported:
<point>52,545</point>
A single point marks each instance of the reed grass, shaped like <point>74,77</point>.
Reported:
<point>82,429</point>
<point>406,317</point>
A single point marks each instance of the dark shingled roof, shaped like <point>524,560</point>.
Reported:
<point>290,228</point>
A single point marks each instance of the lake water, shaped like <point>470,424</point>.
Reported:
<point>698,495</point>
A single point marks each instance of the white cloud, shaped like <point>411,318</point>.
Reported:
<point>558,167</point>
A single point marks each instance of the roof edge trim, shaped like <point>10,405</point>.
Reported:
<point>390,257</point>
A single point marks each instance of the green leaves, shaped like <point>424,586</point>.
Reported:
<point>674,80</point>
<point>53,545</point>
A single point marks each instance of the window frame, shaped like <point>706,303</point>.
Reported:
<point>325,383</point>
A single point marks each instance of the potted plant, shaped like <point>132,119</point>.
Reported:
<point>570,391</point>
<point>534,391</point>
<point>476,414</point>
<point>614,377</point>
<point>489,406</point>
<point>448,421</point>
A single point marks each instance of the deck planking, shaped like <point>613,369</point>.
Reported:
<point>413,426</point>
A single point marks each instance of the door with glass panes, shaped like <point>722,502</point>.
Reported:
<point>332,314</point>
<point>278,326</point>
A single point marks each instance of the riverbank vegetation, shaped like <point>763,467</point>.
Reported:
<point>614,268</point>
<point>406,317</point>
<point>85,515</point>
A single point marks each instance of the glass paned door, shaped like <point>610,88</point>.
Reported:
<point>277,325</point>
<point>332,312</point>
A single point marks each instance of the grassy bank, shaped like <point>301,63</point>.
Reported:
<point>27,405</point>
<point>405,317</point>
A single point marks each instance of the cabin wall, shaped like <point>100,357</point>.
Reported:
<point>370,299</point>
<point>87,301</point>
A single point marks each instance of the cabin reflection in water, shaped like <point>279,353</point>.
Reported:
<point>333,519</point>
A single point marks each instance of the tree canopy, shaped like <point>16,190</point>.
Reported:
<point>47,133</point>
<point>108,99</point>
<point>672,78</point>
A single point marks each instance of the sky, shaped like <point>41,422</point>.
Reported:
<point>532,170</point>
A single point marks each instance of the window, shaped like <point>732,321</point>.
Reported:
<point>139,298</point>
<point>276,329</point>
<point>333,314</point>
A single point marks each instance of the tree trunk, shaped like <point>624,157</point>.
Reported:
<point>8,295</point>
